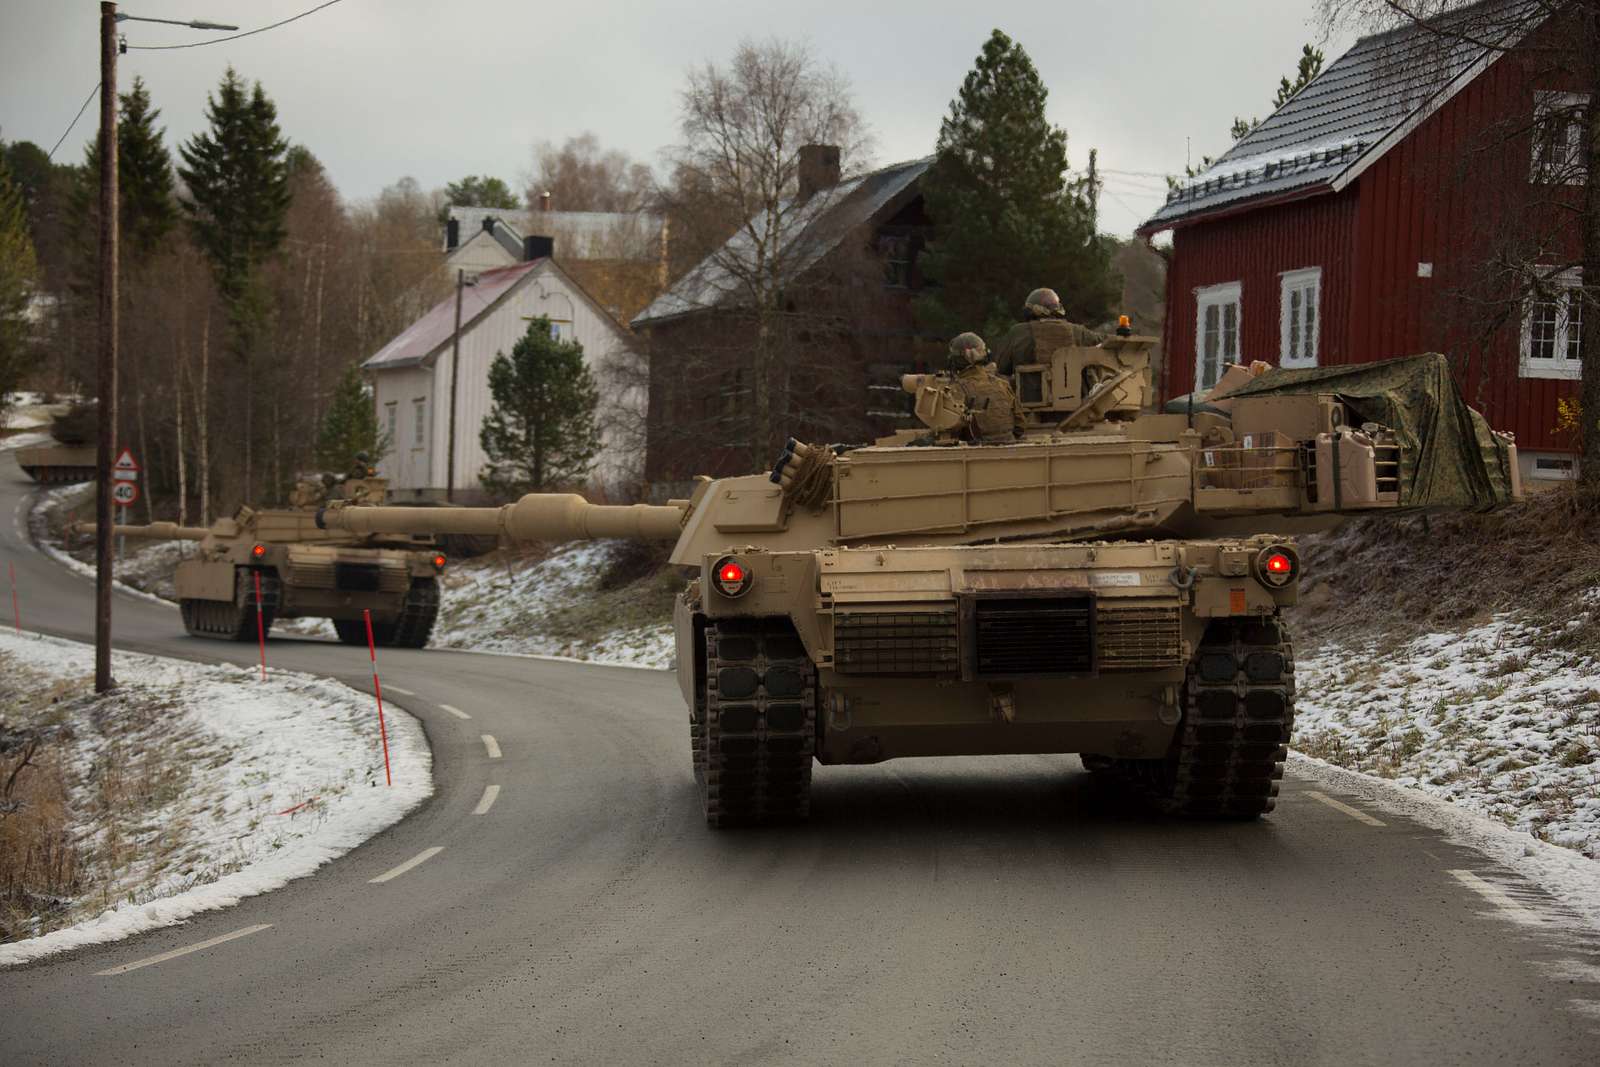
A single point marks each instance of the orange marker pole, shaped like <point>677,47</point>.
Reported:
<point>377,691</point>
<point>261,631</point>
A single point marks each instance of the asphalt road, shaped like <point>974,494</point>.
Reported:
<point>961,911</point>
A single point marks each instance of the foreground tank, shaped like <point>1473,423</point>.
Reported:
<point>304,572</point>
<point>1084,590</point>
<point>72,457</point>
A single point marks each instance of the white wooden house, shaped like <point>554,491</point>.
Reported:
<point>411,378</point>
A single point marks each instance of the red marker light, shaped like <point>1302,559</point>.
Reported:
<point>1277,567</point>
<point>438,562</point>
<point>258,551</point>
<point>732,573</point>
<point>1278,563</point>
<point>731,577</point>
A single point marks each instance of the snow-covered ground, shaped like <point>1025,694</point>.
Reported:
<point>1493,719</point>
<point>269,781</point>
<point>507,606</point>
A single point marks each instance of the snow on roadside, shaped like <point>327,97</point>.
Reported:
<point>138,563</point>
<point>282,776</point>
<point>504,607</point>
<point>1492,719</point>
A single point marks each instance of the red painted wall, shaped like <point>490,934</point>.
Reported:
<point>1440,196</point>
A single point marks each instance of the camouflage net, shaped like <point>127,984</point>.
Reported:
<point>1450,458</point>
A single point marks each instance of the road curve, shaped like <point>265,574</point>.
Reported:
<point>955,911</point>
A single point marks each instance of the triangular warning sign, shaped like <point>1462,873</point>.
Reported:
<point>126,462</point>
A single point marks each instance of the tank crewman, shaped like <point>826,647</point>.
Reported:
<point>1043,329</point>
<point>993,414</point>
<point>362,467</point>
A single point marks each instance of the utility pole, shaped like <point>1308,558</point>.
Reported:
<point>455,375</point>
<point>106,379</point>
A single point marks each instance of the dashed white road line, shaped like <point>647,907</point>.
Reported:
<point>457,712</point>
<point>402,692</point>
<point>1508,908</point>
<point>490,794</point>
<point>175,953</point>
<point>1355,813</point>
<point>422,857</point>
<point>491,746</point>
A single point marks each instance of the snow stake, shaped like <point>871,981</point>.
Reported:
<point>377,691</point>
<point>261,631</point>
<point>16,612</point>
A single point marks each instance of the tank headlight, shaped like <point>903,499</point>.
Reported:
<point>439,562</point>
<point>732,577</point>
<point>1277,566</point>
<point>258,551</point>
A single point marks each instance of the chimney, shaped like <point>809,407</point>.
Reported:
<point>538,247</point>
<point>452,234</point>
<point>819,169</point>
<point>544,201</point>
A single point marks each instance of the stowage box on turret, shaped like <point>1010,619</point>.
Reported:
<point>304,571</point>
<point>1110,585</point>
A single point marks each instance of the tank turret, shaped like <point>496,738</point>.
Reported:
<point>73,457</point>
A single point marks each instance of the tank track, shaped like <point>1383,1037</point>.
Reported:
<point>234,620</point>
<point>418,612</point>
<point>753,753</point>
<point>1227,758</point>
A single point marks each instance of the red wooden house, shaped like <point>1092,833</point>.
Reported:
<point>1371,217</point>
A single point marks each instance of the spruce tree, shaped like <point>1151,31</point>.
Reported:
<point>541,432</point>
<point>238,181</point>
<point>350,424</point>
<point>19,273</point>
<point>144,176</point>
<point>1006,217</point>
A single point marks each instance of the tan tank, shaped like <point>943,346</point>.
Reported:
<point>73,458</point>
<point>1084,590</point>
<point>304,571</point>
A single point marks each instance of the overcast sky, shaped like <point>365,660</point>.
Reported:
<point>380,89</point>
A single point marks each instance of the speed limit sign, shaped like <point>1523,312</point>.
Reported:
<point>125,494</point>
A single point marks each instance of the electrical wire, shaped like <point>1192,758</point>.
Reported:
<point>234,37</point>
<point>92,93</point>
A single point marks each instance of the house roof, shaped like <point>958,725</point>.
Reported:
<point>821,223</point>
<point>433,330</point>
<point>1331,131</point>
<point>575,233</point>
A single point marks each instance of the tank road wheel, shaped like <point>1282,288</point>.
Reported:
<point>417,615</point>
<point>1227,757</point>
<point>760,728</point>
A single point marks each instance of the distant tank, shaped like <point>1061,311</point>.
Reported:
<point>74,457</point>
<point>1109,585</point>
<point>304,571</point>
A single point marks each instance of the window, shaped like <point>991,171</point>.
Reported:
<point>1216,332</point>
<point>1559,156</point>
<point>391,422</point>
<point>1301,292</point>
<point>1554,468</point>
<point>419,407</point>
<point>1552,329</point>
<point>896,251</point>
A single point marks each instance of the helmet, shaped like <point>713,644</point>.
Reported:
<point>967,350</point>
<point>361,458</point>
<point>1043,304</point>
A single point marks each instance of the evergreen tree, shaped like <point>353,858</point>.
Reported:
<point>350,424</point>
<point>18,276</point>
<point>477,190</point>
<point>144,176</point>
<point>541,432</point>
<point>238,181</point>
<point>1006,218</point>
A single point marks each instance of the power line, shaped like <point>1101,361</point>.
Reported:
<point>75,118</point>
<point>234,37</point>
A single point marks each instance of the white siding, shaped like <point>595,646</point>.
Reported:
<point>545,293</point>
<point>480,252</point>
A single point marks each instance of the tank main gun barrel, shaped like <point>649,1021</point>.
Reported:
<point>536,517</point>
<point>155,531</point>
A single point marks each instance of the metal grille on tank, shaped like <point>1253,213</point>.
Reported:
<point>1136,639</point>
<point>897,642</point>
<point>1032,635</point>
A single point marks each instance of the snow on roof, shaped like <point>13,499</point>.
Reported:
<point>1351,114</point>
<point>821,222</point>
<point>429,333</point>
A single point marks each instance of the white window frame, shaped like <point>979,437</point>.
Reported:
<point>391,411</point>
<point>1552,473</point>
<point>1557,366</point>
<point>1218,296</point>
<point>419,430</point>
<point>1308,283</point>
<point>1571,170</point>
